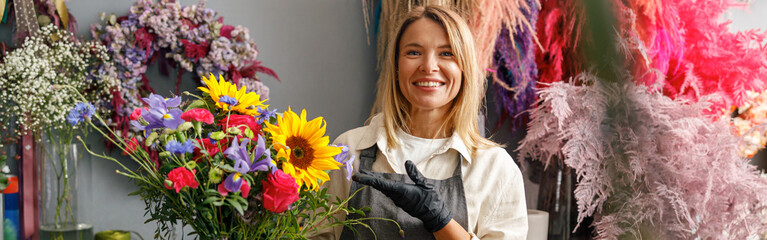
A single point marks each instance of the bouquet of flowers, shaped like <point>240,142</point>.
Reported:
<point>231,168</point>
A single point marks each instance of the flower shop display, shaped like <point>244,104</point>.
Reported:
<point>190,38</point>
<point>647,166</point>
<point>229,167</point>
<point>34,104</point>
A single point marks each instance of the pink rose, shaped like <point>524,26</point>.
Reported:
<point>279,190</point>
<point>182,177</point>
<point>241,122</point>
<point>136,113</point>
<point>199,115</point>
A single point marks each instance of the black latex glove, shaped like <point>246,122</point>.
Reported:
<point>420,200</point>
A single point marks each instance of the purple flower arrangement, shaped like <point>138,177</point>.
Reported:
<point>194,38</point>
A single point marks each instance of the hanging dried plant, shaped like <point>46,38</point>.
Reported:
<point>647,166</point>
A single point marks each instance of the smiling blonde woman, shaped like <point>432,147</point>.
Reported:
<point>422,153</point>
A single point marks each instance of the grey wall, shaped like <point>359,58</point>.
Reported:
<point>317,47</point>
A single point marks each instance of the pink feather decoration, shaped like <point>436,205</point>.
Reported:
<point>647,166</point>
<point>649,34</point>
<point>684,49</point>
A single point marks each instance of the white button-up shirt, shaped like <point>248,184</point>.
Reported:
<point>493,186</point>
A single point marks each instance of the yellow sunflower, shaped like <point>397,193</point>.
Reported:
<point>304,147</point>
<point>244,102</point>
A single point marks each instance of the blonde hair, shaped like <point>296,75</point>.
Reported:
<point>465,108</point>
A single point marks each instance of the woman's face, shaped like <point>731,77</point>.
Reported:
<point>428,74</point>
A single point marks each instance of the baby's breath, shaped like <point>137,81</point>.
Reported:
<point>32,77</point>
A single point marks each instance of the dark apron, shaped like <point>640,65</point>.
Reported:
<point>451,191</point>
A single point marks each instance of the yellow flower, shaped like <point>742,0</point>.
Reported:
<point>247,102</point>
<point>304,147</point>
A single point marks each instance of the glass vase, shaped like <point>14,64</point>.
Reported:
<point>58,165</point>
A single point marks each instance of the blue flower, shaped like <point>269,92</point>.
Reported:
<point>265,114</point>
<point>176,147</point>
<point>228,100</point>
<point>81,112</point>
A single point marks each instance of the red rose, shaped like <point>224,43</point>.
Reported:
<point>199,115</point>
<point>182,177</point>
<point>131,147</point>
<point>279,190</point>
<point>241,122</point>
<point>136,113</point>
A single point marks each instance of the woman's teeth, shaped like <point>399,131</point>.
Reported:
<point>428,84</point>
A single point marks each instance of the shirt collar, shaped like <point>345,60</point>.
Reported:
<point>376,134</point>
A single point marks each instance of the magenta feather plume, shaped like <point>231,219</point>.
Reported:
<point>681,48</point>
<point>558,30</point>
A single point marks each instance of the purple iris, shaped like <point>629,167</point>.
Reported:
<point>161,117</point>
<point>228,100</point>
<point>163,113</point>
<point>242,162</point>
<point>80,112</point>
<point>349,167</point>
<point>348,163</point>
<point>157,101</point>
<point>341,157</point>
<point>176,147</point>
<point>265,114</point>
<point>263,165</point>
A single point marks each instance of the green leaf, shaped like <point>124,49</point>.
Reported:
<point>242,200</point>
<point>235,205</point>
<point>196,104</point>
<point>212,192</point>
<point>211,199</point>
<point>225,167</point>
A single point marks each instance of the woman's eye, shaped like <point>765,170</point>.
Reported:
<point>446,54</point>
<point>411,52</point>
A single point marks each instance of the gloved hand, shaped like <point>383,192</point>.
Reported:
<point>420,200</point>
